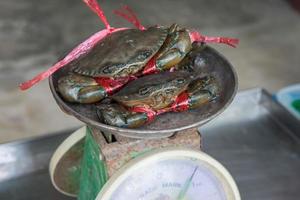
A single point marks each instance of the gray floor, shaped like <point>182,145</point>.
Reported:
<point>34,34</point>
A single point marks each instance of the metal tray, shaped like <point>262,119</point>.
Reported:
<point>255,138</point>
<point>206,59</point>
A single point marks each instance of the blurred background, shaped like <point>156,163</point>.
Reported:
<point>35,33</point>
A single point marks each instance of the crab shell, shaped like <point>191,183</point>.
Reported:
<point>155,91</point>
<point>121,53</point>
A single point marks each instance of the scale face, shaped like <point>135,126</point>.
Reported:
<point>171,174</point>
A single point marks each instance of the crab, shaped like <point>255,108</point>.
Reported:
<point>121,57</point>
<point>111,58</point>
<point>141,100</point>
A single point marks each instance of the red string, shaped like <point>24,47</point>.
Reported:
<point>111,85</point>
<point>130,17</point>
<point>181,103</point>
<point>95,7</point>
<point>81,49</point>
<point>196,36</point>
<point>150,67</point>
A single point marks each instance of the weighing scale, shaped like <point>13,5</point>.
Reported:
<point>170,168</point>
<point>171,174</point>
<point>101,161</point>
<point>87,149</point>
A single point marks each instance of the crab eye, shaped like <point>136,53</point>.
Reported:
<point>147,53</point>
<point>108,69</point>
<point>144,91</point>
<point>143,55</point>
<point>169,91</point>
<point>180,80</point>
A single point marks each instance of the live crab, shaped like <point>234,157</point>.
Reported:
<point>121,57</point>
<point>141,100</point>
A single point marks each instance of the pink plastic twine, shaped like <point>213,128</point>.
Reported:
<point>130,17</point>
<point>196,36</point>
<point>95,7</point>
<point>81,49</point>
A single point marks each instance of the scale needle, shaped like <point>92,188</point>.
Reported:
<point>186,186</point>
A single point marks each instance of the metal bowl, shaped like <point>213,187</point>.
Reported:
<point>208,60</point>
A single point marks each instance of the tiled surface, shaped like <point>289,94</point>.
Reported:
<point>34,34</point>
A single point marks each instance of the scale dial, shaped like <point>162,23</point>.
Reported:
<point>171,174</point>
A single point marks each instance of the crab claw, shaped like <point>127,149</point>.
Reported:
<point>199,92</point>
<point>175,48</point>
<point>80,89</point>
<point>117,115</point>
